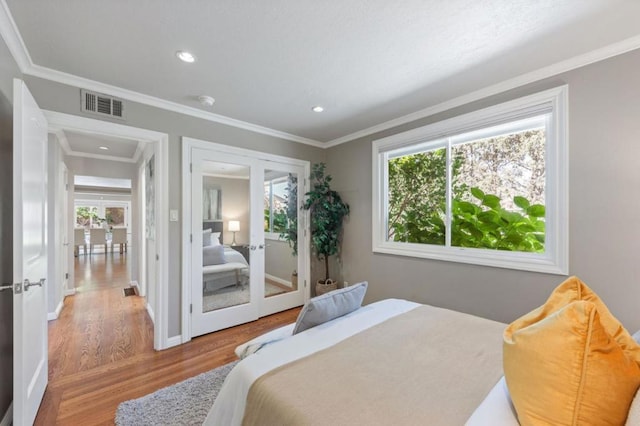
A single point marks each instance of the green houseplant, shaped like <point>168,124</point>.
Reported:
<point>327,213</point>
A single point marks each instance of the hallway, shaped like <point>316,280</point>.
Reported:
<point>101,348</point>
<point>98,325</point>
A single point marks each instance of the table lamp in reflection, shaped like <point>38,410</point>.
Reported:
<point>234,226</point>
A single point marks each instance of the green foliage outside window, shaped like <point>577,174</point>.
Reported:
<point>417,196</point>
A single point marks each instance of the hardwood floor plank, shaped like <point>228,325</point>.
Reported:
<point>101,348</point>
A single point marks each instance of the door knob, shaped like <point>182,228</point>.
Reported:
<point>28,283</point>
<point>261,246</point>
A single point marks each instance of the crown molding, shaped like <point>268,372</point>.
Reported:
<point>11,36</point>
<point>15,43</point>
<point>579,61</point>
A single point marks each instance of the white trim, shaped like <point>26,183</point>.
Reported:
<point>150,312</point>
<point>555,260</point>
<point>15,43</point>
<point>161,140</point>
<point>55,314</point>
<point>135,284</point>
<point>186,240</point>
<point>278,280</point>
<point>597,55</point>
<point>174,341</point>
<point>8,416</point>
<point>69,292</point>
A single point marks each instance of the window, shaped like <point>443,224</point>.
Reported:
<point>488,187</point>
<point>275,207</point>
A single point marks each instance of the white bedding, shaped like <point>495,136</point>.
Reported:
<point>229,406</point>
<point>216,277</point>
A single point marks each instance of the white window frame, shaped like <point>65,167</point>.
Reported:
<point>268,234</point>
<point>555,259</point>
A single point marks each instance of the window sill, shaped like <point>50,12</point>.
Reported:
<point>493,258</point>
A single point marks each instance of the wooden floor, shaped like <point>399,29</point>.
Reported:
<point>101,348</point>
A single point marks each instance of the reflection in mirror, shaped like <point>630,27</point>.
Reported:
<point>225,268</point>
<point>281,232</point>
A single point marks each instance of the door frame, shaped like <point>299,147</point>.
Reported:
<point>60,121</point>
<point>187,145</point>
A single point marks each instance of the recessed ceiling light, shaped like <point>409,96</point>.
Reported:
<point>185,56</point>
<point>105,148</point>
<point>317,108</point>
<point>206,100</point>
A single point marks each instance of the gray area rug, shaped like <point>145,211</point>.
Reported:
<point>185,403</point>
<point>232,296</point>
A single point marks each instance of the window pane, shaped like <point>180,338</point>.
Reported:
<point>114,216</point>
<point>86,216</point>
<point>417,198</point>
<point>267,206</point>
<point>498,187</point>
<point>279,206</point>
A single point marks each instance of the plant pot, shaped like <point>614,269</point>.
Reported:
<point>323,287</point>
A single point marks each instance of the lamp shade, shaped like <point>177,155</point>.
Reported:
<point>234,225</point>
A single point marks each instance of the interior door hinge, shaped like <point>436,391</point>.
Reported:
<point>191,237</point>
<point>190,167</point>
<point>66,276</point>
<point>191,308</point>
<point>305,283</point>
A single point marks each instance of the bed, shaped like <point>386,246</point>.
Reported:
<point>569,361</point>
<point>234,271</point>
<point>390,362</point>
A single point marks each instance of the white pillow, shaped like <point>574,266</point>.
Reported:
<point>633,418</point>
<point>254,345</point>
<point>210,238</point>
<point>496,409</point>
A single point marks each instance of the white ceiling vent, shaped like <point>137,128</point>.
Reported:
<point>97,103</point>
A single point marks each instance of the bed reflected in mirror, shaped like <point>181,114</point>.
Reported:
<point>225,267</point>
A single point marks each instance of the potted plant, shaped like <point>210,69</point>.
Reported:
<point>327,213</point>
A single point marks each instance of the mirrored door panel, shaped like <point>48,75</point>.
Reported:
<point>225,227</point>
<point>282,222</point>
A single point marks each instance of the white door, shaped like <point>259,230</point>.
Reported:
<point>29,255</point>
<point>285,253</point>
<point>224,271</point>
<point>252,208</point>
<point>63,224</point>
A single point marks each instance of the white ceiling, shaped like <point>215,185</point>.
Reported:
<point>80,144</point>
<point>268,62</point>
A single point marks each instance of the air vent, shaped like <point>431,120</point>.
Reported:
<point>97,103</point>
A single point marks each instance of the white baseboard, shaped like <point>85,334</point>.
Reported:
<point>69,291</point>
<point>7,419</point>
<point>174,341</point>
<point>150,312</point>
<point>278,280</point>
<point>54,315</point>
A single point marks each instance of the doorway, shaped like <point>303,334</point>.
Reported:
<point>245,248</point>
<point>155,145</point>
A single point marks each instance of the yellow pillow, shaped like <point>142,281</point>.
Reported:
<point>569,362</point>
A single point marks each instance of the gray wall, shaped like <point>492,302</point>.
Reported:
<point>279,259</point>
<point>66,99</point>
<point>604,102</point>
<point>8,70</point>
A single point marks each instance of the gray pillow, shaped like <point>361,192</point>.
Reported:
<point>330,306</point>
<point>213,255</point>
<point>636,336</point>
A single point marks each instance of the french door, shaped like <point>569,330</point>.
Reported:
<point>248,256</point>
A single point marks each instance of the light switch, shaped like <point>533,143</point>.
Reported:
<point>173,215</point>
